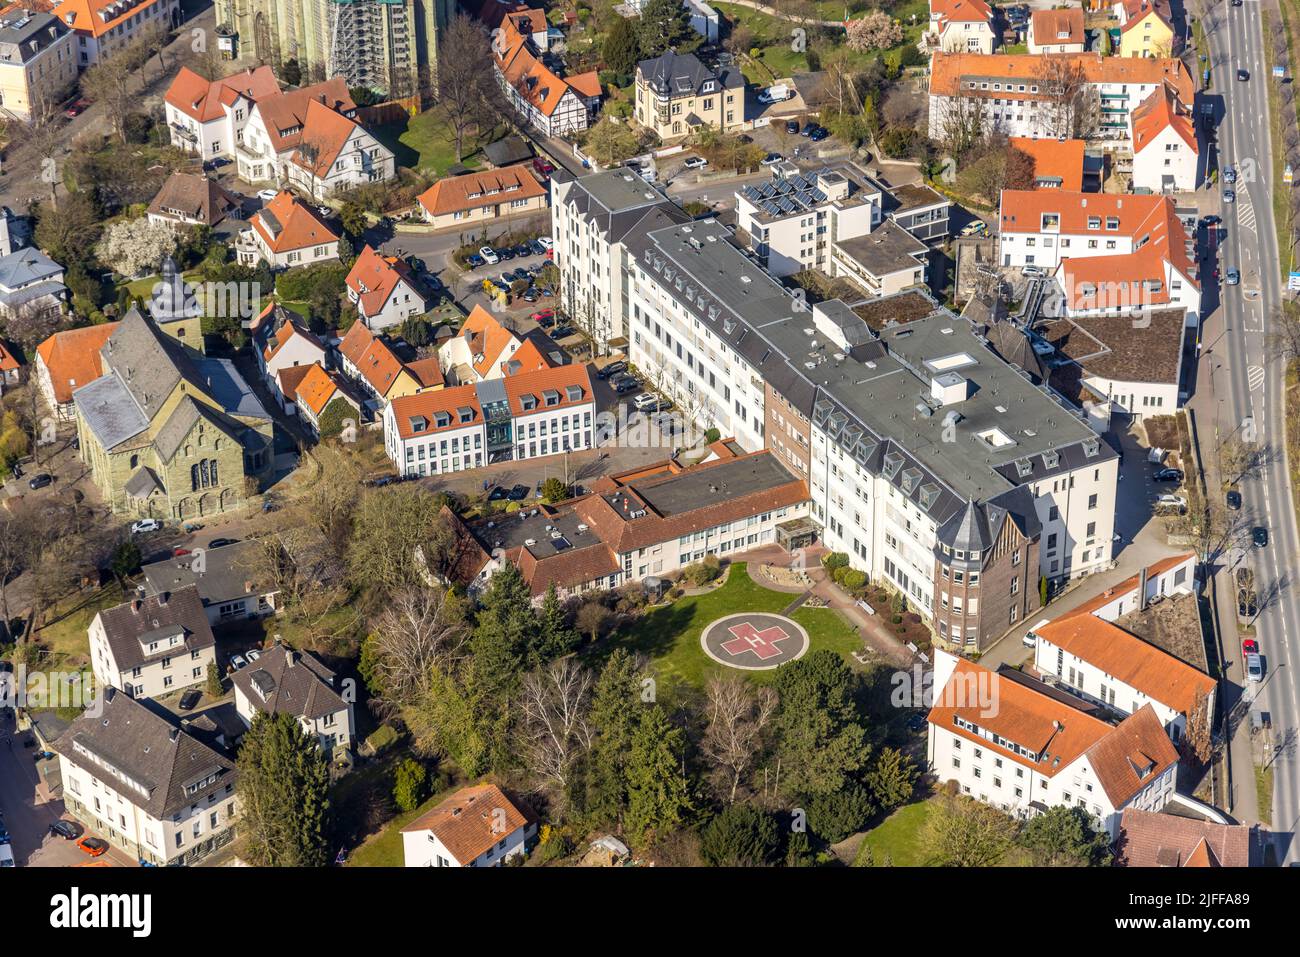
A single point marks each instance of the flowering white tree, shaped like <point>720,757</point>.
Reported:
<point>875,31</point>
<point>135,247</point>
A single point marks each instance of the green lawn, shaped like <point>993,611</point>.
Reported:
<point>670,635</point>
<point>897,839</point>
<point>385,848</point>
<point>425,142</point>
<point>64,634</point>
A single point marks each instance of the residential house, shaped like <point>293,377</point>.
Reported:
<point>484,196</point>
<point>286,232</point>
<point>677,95</point>
<point>146,786</point>
<point>233,581</point>
<point>369,360</point>
<point>960,26</point>
<point>285,342</point>
<point>318,390</point>
<point>208,117</point>
<point>1166,157</point>
<point>480,350</point>
<point>384,290</point>
<point>1146,29</point>
<point>1058,163</point>
<point>1152,839</point>
<point>1024,749</point>
<point>68,360</point>
<point>920,210</point>
<point>191,199</point>
<point>30,280</point>
<point>285,681</point>
<point>1056,31</point>
<point>154,645</point>
<point>11,370</point>
<point>551,104</point>
<point>105,27</point>
<point>476,827</point>
<point>38,64</point>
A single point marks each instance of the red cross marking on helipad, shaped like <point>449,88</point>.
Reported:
<point>748,638</point>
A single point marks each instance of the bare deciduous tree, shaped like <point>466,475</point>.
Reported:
<point>738,714</point>
<point>554,708</point>
<point>1069,101</point>
<point>463,86</point>
<point>420,632</point>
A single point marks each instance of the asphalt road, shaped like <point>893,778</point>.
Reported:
<point>1248,384</point>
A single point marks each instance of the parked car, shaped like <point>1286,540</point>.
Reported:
<point>976,227</point>
<point>1233,277</point>
<point>1229,175</point>
<point>266,195</point>
<point>497,493</point>
<point>536,248</point>
<point>624,384</point>
<point>546,242</point>
<point>518,493</point>
<point>649,402</point>
<point>543,167</point>
<point>530,294</point>
<point>696,162</point>
<point>252,655</point>
<point>506,252</point>
<point>792,126</point>
<point>612,369</point>
<point>1171,503</point>
<point>1229,196</point>
<point>238,661</point>
<point>544,317</point>
<point>1210,220</point>
<point>41,481</point>
<point>76,107</point>
<point>489,255</point>
<point>190,698</point>
<point>1259,535</point>
<point>771,159</point>
<point>819,134</point>
<point>65,829</point>
<point>94,846</point>
<point>1249,646</point>
<point>1254,668</point>
<point>145,525</point>
<point>474,260</point>
<point>522,249</point>
<point>561,332</point>
<point>1168,475</point>
<point>222,542</point>
<point>1234,499</point>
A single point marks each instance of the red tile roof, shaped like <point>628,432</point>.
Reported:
<point>97,17</point>
<point>324,134</point>
<point>8,362</point>
<point>318,387</point>
<point>1151,839</point>
<point>474,190</point>
<point>286,116</point>
<point>72,358</point>
<point>373,278</point>
<point>960,11</point>
<point>557,380</point>
<point>948,69</point>
<point>298,226</point>
<point>1135,753</point>
<point>1057,27</point>
<point>204,100</point>
<point>427,372</point>
<point>417,415</point>
<point>1054,159</point>
<point>1140,665</point>
<point>472,821</point>
<point>1156,113</point>
<point>488,340</point>
<point>1128,585</point>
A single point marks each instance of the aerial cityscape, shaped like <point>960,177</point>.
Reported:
<point>648,433</point>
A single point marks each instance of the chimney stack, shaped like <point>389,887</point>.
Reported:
<point>1142,589</point>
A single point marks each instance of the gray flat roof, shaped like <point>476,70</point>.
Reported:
<point>700,488</point>
<point>751,312</point>
<point>886,249</point>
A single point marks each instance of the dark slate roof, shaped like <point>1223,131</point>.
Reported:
<point>173,298</point>
<point>284,680</point>
<point>109,411</point>
<point>126,624</point>
<point>507,151</point>
<point>143,756</point>
<point>220,574</point>
<point>143,483</point>
<point>196,196</point>
<point>682,74</point>
<point>968,529</point>
<point>1010,342</point>
<point>149,363</point>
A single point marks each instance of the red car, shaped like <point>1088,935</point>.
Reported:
<point>76,109</point>
<point>93,846</point>
<point>542,314</point>
<point>1249,646</point>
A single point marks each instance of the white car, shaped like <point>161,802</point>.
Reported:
<point>238,661</point>
<point>252,655</point>
<point>266,195</point>
<point>145,525</point>
<point>1171,502</point>
<point>696,162</point>
<point>1254,668</point>
<point>1031,636</point>
<point>977,226</point>
<point>489,255</point>
<point>546,242</point>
